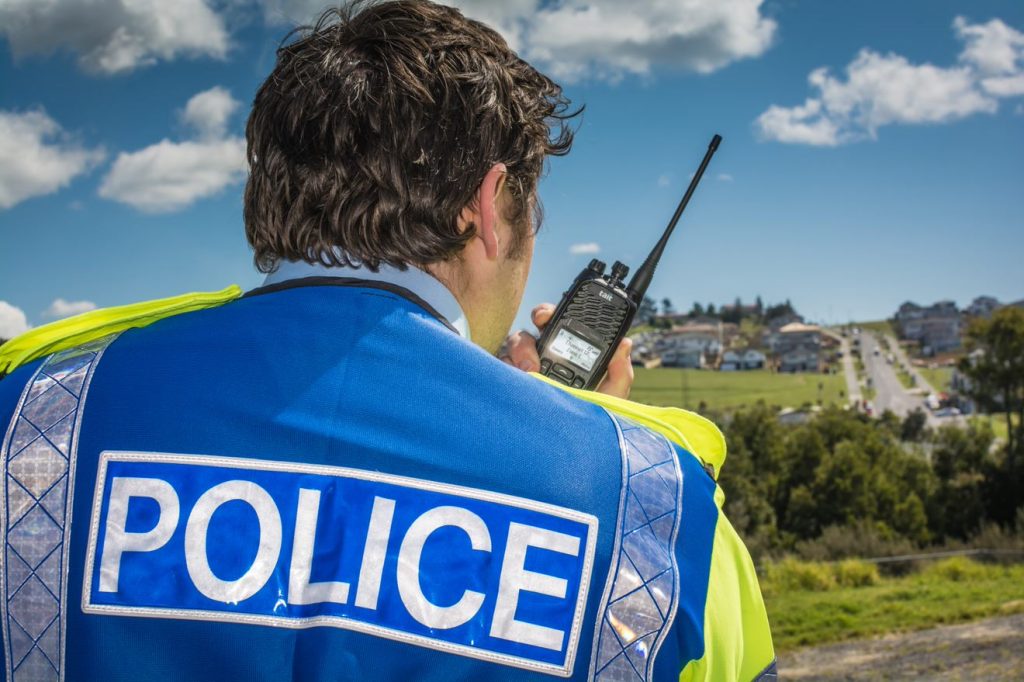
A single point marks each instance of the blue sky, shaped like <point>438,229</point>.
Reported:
<point>895,174</point>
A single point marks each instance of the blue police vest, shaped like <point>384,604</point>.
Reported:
<point>323,482</point>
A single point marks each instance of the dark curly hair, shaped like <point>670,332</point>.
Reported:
<point>377,126</point>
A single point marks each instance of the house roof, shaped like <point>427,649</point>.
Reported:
<point>697,329</point>
<point>799,327</point>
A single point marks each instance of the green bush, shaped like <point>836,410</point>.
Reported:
<point>862,539</point>
<point>854,573</point>
<point>956,569</point>
<point>793,575</point>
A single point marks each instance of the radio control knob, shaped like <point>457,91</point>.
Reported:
<point>620,270</point>
<point>596,266</point>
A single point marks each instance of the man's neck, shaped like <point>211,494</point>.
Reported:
<point>424,285</point>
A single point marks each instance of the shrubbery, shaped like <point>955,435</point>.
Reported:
<point>957,569</point>
<point>844,485</point>
<point>815,576</point>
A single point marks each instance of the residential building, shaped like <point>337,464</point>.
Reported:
<point>983,306</point>
<point>731,361</point>
<point>689,358</point>
<point>936,328</point>
<point>798,347</point>
<point>772,333</point>
<point>734,360</point>
<point>754,359</point>
<point>704,337</point>
<point>802,357</point>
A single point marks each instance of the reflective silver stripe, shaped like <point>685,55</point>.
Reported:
<point>642,594</point>
<point>39,453</point>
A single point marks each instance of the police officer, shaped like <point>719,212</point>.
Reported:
<point>332,477</point>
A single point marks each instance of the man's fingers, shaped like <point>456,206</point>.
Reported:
<point>541,315</point>
<point>522,352</point>
<point>619,380</point>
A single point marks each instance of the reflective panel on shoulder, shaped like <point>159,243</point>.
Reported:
<point>642,594</point>
<point>39,455</point>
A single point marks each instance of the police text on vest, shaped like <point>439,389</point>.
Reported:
<point>294,545</point>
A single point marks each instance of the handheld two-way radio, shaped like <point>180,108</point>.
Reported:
<point>597,310</point>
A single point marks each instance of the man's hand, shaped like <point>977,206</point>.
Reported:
<point>522,353</point>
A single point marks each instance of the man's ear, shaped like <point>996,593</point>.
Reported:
<point>485,212</point>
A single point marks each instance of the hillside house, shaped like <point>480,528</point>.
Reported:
<point>802,357</point>
<point>704,337</point>
<point>936,328</point>
<point>687,358</point>
<point>983,306</point>
<point>799,347</point>
<point>797,333</point>
<point>731,361</point>
<point>773,333</point>
<point>736,360</point>
<point>754,359</point>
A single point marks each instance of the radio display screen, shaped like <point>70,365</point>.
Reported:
<point>575,350</point>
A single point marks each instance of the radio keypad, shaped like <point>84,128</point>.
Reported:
<point>563,373</point>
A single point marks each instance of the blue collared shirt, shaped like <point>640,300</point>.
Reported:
<point>423,284</point>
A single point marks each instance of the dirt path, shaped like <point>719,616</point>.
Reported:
<point>991,649</point>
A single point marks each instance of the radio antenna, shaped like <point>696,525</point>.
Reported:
<point>642,279</point>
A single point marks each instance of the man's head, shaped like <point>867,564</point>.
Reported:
<point>403,133</point>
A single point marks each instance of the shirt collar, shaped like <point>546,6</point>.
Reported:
<point>421,283</point>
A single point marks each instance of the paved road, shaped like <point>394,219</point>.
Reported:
<point>849,371</point>
<point>901,357</point>
<point>990,650</point>
<point>889,392</point>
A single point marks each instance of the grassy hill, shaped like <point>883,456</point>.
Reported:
<point>807,605</point>
<point>722,391</point>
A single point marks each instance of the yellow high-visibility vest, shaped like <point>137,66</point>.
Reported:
<point>737,639</point>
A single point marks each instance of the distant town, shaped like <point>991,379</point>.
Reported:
<point>906,362</point>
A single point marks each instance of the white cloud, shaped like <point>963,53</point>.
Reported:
<point>664,180</point>
<point>585,249</point>
<point>61,308</point>
<point>607,39</point>
<point>168,176</point>
<point>880,90</point>
<point>114,36</point>
<point>725,177</point>
<point>610,38</point>
<point>12,321</point>
<point>37,157</point>
<point>993,49</point>
<point>208,112</point>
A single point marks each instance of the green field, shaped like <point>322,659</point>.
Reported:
<point>997,422</point>
<point>877,326</point>
<point>905,378</point>
<point>939,377</point>
<point>951,591</point>
<point>729,390</point>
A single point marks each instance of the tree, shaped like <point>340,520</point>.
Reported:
<point>647,310</point>
<point>913,426</point>
<point>997,372</point>
<point>697,310</point>
<point>995,368</point>
<point>733,314</point>
<point>759,305</point>
<point>666,307</point>
<point>959,460</point>
<point>710,310</point>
